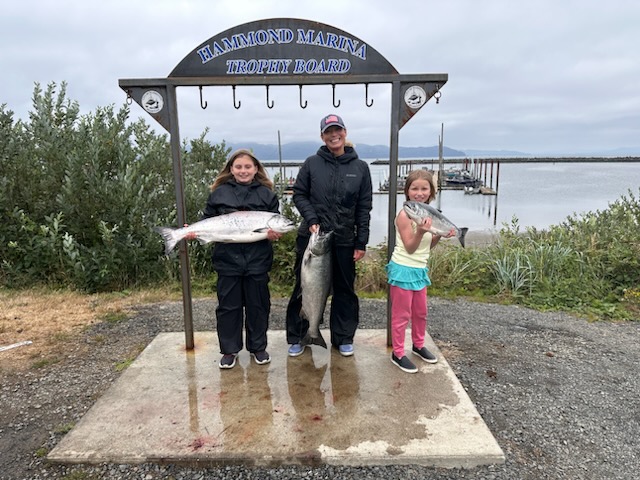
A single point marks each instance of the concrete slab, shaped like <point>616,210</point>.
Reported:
<point>177,406</point>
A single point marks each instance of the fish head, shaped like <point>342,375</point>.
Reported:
<point>281,224</point>
<point>416,211</point>
<point>320,242</point>
<point>440,225</point>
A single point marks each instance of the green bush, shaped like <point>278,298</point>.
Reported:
<point>80,195</point>
<point>586,264</point>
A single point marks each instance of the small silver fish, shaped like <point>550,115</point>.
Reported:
<point>440,225</point>
<point>237,227</point>
<point>315,285</point>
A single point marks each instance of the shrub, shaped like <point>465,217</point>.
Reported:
<point>80,195</point>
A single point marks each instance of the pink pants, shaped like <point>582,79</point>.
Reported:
<point>407,305</point>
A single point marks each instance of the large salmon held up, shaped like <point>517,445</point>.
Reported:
<point>237,227</point>
<point>315,285</point>
<point>440,225</point>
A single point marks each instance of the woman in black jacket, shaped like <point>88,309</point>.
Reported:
<point>243,268</point>
<point>332,192</point>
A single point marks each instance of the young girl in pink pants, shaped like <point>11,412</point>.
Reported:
<point>408,277</point>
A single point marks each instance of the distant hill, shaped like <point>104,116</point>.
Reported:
<point>301,150</point>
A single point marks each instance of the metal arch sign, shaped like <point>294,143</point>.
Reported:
<point>279,51</point>
<point>282,47</point>
<point>282,51</point>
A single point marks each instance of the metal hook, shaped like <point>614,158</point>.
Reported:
<point>270,106</point>
<point>305,102</point>
<point>234,98</point>
<point>202,105</point>
<point>438,94</point>
<point>334,96</point>
<point>129,97</point>
<point>366,95</point>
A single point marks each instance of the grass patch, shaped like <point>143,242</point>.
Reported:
<point>41,452</point>
<point>76,475</point>
<point>44,362</point>
<point>124,364</point>
<point>60,337</point>
<point>64,428</point>
<point>114,317</point>
<point>50,318</point>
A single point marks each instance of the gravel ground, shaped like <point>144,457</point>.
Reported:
<point>559,394</point>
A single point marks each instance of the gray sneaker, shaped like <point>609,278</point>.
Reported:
<point>404,364</point>
<point>228,360</point>
<point>261,357</point>
<point>424,354</point>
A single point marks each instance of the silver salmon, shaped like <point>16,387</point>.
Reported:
<point>315,283</point>
<point>236,227</point>
<point>440,225</point>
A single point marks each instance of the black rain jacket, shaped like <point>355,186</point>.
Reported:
<point>236,259</point>
<point>336,193</point>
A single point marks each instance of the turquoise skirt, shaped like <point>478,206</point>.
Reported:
<point>408,278</point>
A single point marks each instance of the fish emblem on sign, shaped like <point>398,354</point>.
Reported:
<point>415,97</point>
<point>152,101</point>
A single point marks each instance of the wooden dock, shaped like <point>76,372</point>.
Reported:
<point>523,160</point>
<point>481,168</point>
<point>454,161</point>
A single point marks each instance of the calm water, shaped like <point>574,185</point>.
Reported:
<point>539,195</point>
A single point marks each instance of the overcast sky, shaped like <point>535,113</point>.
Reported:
<point>535,76</point>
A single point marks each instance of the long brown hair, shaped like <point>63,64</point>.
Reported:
<point>225,175</point>
<point>421,174</point>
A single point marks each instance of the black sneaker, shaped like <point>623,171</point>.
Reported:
<point>228,360</point>
<point>261,357</point>
<point>424,354</point>
<point>404,364</point>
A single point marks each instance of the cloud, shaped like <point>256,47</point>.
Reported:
<point>534,76</point>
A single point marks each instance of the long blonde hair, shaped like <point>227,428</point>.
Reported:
<point>421,174</point>
<point>225,175</point>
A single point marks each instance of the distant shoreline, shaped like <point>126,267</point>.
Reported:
<point>523,160</point>
<point>480,238</point>
<point>473,238</point>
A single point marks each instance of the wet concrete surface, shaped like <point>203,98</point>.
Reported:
<point>176,406</point>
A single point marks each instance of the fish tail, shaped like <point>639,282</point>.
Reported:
<point>463,232</point>
<point>171,238</point>
<point>309,340</point>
